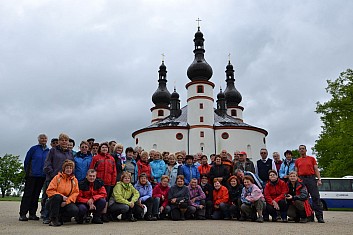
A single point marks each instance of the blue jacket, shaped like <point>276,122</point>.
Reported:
<point>34,161</point>
<point>172,174</point>
<point>286,168</point>
<point>144,190</point>
<point>189,172</point>
<point>82,163</point>
<point>158,168</point>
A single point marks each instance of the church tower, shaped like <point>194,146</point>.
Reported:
<point>161,97</point>
<point>232,95</point>
<point>200,102</point>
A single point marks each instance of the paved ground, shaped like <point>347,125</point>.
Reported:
<point>336,223</point>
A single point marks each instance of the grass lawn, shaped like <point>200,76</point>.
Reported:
<point>10,198</point>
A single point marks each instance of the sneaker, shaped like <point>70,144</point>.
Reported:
<point>46,221</point>
<point>260,219</point>
<point>33,217</point>
<point>150,218</point>
<point>303,220</point>
<point>320,220</point>
<point>23,218</point>
<point>284,220</point>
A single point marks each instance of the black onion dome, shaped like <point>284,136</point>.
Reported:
<point>221,95</point>
<point>199,70</point>
<point>233,96</point>
<point>175,95</point>
<point>161,97</point>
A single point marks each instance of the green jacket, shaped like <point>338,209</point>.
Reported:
<point>124,194</point>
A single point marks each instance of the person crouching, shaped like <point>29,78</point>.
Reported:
<point>91,197</point>
<point>62,193</point>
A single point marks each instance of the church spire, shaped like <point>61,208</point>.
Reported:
<point>232,95</point>
<point>199,70</point>
<point>161,97</point>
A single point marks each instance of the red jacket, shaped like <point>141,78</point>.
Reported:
<point>204,169</point>
<point>275,191</point>
<point>301,193</point>
<point>220,195</point>
<point>158,191</point>
<point>105,167</point>
<point>95,190</point>
<point>144,167</point>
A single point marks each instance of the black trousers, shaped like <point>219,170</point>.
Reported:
<point>311,185</point>
<point>56,211</point>
<point>29,202</point>
<point>138,212</point>
<point>270,210</point>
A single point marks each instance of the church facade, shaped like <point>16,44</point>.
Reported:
<point>199,126</point>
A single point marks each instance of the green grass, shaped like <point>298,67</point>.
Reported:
<point>17,199</point>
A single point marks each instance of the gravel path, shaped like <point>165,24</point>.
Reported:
<point>336,223</point>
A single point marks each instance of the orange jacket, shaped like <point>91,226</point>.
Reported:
<point>65,185</point>
<point>204,169</point>
<point>220,195</point>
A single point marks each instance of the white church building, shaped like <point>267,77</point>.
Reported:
<point>199,126</point>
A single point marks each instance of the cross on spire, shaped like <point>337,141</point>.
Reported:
<point>198,22</point>
<point>229,57</point>
<point>163,56</point>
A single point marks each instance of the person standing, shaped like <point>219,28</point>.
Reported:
<point>244,163</point>
<point>83,160</point>
<point>264,165</point>
<point>34,179</point>
<point>277,159</point>
<point>287,166</point>
<point>53,165</point>
<point>307,169</point>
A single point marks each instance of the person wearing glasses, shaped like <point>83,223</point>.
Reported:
<point>82,159</point>
<point>244,163</point>
<point>264,165</point>
<point>275,191</point>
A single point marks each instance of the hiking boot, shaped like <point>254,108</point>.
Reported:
<point>320,220</point>
<point>150,218</point>
<point>54,222</point>
<point>96,220</point>
<point>23,218</point>
<point>33,217</point>
<point>260,219</point>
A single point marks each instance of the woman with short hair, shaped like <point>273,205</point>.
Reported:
<point>145,201</point>
<point>160,198</point>
<point>82,159</point>
<point>234,190</point>
<point>251,197</point>
<point>220,200</point>
<point>158,167</point>
<point>124,198</point>
<point>62,193</point>
<point>143,166</point>
<point>172,169</point>
<point>178,197</point>
<point>197,200</point>
<point>297,199</point>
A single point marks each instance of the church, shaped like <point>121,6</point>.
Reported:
<point>199,126</point>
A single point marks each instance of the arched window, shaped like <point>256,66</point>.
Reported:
<point>200,89</point>
<point>233,112</point>
<point>202,147</point>
<point>137,141</point>
<point>160,113</point>
<point>154,146</point>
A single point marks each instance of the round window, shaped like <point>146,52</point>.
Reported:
<point>225,135</point>
<point>179,136</point>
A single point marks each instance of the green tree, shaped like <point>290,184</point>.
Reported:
<point>11,173</point>
<point>334,147</point>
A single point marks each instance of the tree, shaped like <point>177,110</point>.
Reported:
<point>11,173</point>
<point>334,147</point>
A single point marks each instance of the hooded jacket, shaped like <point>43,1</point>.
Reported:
<point>275,191</point>
<point>65,185</point>
<point>54,161</point>
<point>104,164</point>
<point>82,163</point>
<point>300,192</point>
<point>189,172</point>
<point>124,193</point>
<point>144,167</point>
<point>158,168</point>
<point>145,191</point>
<point>158,191</point>
<point>88,190</point>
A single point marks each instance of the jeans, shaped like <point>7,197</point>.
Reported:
<point>84,208</point>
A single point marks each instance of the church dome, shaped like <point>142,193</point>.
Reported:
<point>161,97</point>
<point>175,95</point>
<point>233,96</point>
<point>199,70</point>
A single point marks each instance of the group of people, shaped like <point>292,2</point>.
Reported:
<point>100,184</point>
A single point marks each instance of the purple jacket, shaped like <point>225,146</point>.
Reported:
<point>54,161</point>
<point>197,194</point>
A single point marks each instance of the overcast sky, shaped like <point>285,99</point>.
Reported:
<point>89,68</point>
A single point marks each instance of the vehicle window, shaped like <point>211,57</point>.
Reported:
<point>341,185</point>
<point>325,185</point>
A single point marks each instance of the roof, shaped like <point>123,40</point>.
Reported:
<point>181,122</point>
